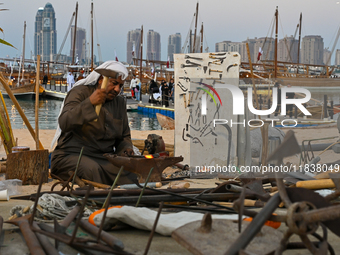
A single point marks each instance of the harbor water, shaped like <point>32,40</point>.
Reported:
<point>49,111</point>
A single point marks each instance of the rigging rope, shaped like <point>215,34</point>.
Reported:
<point>265,40</point>
<point>187,38</point>
<point>65,37</point>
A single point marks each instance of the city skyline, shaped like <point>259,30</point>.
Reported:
<point>223,21</point>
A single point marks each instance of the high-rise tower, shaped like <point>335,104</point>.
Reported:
<point>174,45</point>
<point>133,45</point>
<point>45,36</point>
<point>153,51</point>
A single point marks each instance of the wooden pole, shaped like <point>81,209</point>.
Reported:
<point>141,59</point>
<point>74,35</point>
<point>298,55</point>
<point>194,48</point>
<point>37,84</point>
<point>17,105</point>
<point>252,76</point>
<point>202,38</point>
<point>91,36</point>
<point>276,35</point>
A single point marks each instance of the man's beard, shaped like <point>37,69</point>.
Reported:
<point>111,95</point>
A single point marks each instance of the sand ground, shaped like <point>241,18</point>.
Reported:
<point>135,240</point>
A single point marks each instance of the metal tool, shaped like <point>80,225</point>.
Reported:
<point>106,72</point>
<point>215,62</point>
<point>182,87</point>
<point>231,66</point>
<point>189,62</point>
<point>183,66</point>
<point>184,99</point>
<point>183,135</point>
<point>187,56</point>
<point>217,54</point>
<point>221,59</point>
<point>184,78</point>
<point>205,69</point>
<point>141,165</point>
<point>191,94</point>
<point>217,71</point>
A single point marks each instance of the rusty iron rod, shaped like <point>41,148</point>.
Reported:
<point>29,236</point>
<point>78,243</point>
<point>70,217</point>
<point>36,201</point>
<point>61,228</point>
<point>255,225</point>
<point>45,242</point>
<point>115,192</point>
<point>170,198</point>
<point>144,186</point>
<point>106,237</point>
<point>80,213</point>
<point>154,228</point>
<point>107,203</point>
<point>282,190</point>
<point>203,199</point>
<point>321,214</point>
<point>75,172</point>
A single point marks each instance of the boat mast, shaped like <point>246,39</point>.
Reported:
<point>23,52</point>
<point>202,38</point>
<point>91,36</point>
<point>276,35</point>
<point>74,35</point>
<point>194,48</point>
<point>190,42</point>
<point>298,56</point>
<point>141,55</point>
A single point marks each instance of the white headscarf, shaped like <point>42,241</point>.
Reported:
<point>92,79</point>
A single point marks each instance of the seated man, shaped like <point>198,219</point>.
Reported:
<point>81,127</point>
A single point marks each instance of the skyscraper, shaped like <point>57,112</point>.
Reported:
<point>80,44</point>
<point>45,36</point>
<point>174,45</point>
<point>312,50</point>
<point>244,51</point>
<point>153,51</point>
<point>287,49</point>
<point>337,57</point>
<point>228,46</point>
<point>133,45</point>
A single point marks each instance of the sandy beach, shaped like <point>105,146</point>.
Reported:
<point>46,136</point>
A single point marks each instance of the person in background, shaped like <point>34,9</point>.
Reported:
<point>171,90</point>
<point>133,84</point>
<point>81,129</point>
<point>45,79</point>
<point>70,81</point>
<point>165,93</point>
<point>289,107</point>
<point>153,89</point>
<point>138,89</point>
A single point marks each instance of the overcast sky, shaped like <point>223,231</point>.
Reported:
<point>223,20</point>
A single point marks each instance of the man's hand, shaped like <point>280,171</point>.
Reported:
<point>127,152</point>
<point>98,97</point>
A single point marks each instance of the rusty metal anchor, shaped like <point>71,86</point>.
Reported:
<point>141,165</point>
